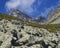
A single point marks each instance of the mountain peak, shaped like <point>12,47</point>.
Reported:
<point>23,16</point>
<point>19,14</point>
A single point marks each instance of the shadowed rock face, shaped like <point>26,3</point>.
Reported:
<point>23,36</point>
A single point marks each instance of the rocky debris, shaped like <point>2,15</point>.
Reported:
<point>14,34</point>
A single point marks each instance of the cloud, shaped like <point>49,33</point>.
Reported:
<point>24,5</point>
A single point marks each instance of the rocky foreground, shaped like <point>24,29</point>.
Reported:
<point>14,34</point>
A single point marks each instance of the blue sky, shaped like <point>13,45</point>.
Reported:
<point>32,8</point>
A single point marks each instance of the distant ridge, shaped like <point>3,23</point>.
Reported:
<point>54,16</point>
<point>23,16</point>
<point>19,14</point>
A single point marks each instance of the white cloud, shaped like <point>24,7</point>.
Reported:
<point>24,5</point>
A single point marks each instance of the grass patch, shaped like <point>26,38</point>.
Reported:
<point>49,27</point>
<point>7,17</point>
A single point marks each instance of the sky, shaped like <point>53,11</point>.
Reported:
<point>33,8</point>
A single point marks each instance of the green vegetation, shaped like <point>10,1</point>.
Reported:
<point>49,27</point>
<point>7,17</point>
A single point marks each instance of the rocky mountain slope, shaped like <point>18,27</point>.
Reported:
<point>54,16</point>
<point>23,16</point>
<point>19,14</point>
<point>16,34</point>
<point>54,28</point>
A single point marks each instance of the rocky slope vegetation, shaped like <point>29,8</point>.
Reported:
<point>15,34</point>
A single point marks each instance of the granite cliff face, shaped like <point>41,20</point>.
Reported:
<point>15,34</point>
